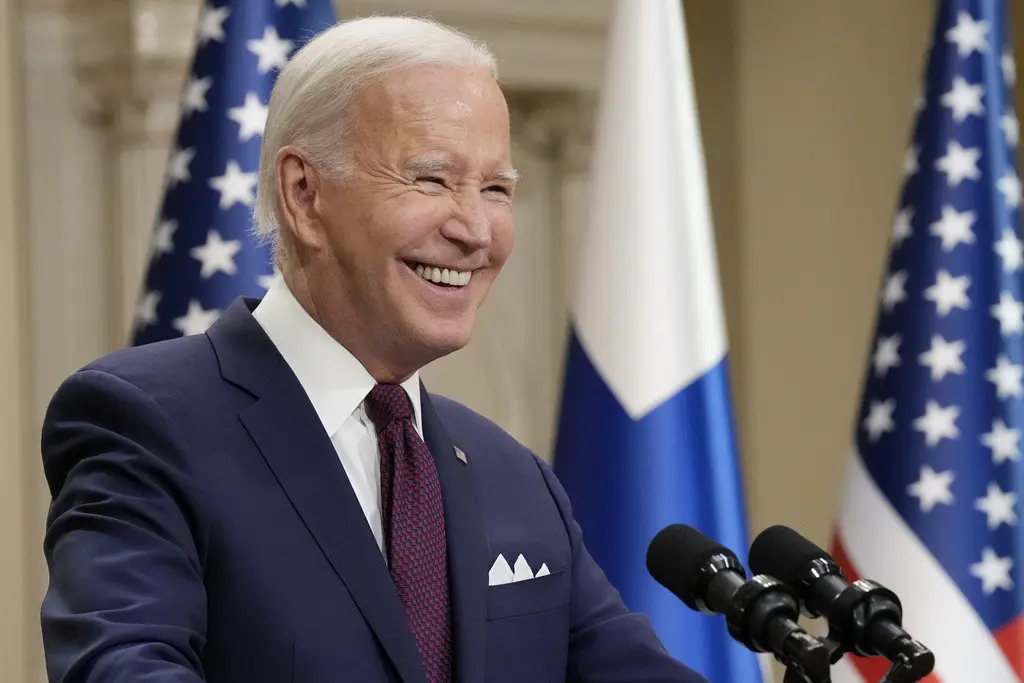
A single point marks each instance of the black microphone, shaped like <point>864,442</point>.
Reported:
<point>864,617</point>
<point>760,613</point>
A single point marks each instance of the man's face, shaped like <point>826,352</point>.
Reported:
<point>422,225</point>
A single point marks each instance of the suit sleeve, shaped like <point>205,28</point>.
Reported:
<point>607,642</point>
<point>125,602</point>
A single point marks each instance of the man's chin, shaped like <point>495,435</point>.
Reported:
<point>439,338</point>
<point>444,344</point>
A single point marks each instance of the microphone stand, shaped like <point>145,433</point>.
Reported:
<point>908,666</point>
<point>903,670</point>
<point>798,671</point>
<point>795,675</point>
<point>899,672</point>
<point>910,660</point>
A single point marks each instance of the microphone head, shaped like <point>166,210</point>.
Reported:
<point>783,553</point>
<point>683,560</point>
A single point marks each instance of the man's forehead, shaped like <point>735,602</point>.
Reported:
<point>459,100</point>
<point>413,82</point>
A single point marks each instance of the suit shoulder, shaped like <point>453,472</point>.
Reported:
<point>470,426</point>
<point>159,365</point>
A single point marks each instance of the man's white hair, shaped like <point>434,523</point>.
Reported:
<point>312,94</point>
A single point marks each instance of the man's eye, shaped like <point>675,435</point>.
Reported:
<point>499,188</point>
<point>432,179</point>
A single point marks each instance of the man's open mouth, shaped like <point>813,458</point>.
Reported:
<point>441,276</point>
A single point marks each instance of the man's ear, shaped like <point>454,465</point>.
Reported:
<point>298,189</point>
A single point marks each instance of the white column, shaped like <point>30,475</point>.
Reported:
<point>64,280</point>
<point>131,59</point>
<point>573,172</point>
<point>86,188</point>
<point>561,129</point>
<point>139,141</point>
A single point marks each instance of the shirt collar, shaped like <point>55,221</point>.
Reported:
<point>335,381</point>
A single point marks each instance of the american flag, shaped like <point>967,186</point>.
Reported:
<point>931,496</point>
<point>202,254</point>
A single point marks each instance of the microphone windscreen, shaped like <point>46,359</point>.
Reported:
<point>783,553</point>
<point>676,555</point>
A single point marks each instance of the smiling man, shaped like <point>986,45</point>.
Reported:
<point>279,499</point>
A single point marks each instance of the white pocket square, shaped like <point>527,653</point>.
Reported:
<point>501,573</point>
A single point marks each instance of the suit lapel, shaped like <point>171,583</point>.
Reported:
<point>467,553</point>
<point>291,439</point>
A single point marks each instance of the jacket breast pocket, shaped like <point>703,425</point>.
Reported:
<point>531,596</point>
<point>528,630</point>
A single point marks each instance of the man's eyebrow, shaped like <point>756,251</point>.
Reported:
<point>508,175</point>
<point>432,165</point>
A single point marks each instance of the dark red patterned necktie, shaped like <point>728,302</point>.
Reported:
<point>414,529</point>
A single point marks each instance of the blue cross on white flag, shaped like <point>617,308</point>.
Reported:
<point>202,255</point>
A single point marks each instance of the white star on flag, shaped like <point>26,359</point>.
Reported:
<point>1009,185</point>
<point>163,238</point>
<point>879,419</point>
<point>177,167</point>
<point>297,3</point>
<point>998,506</point>
<point>1011,250</point>
<point>251,117</point>
<point>895,290</point>
<point>271,50</point>
<point>943,357</point>
<point>194,97</point>
<point>216,255</point>
<point>954,227</point>
<point>211,24</point>
<point>1003,442</point>
<point>938,423</point>
<point>145,309</point>
<point>994,571</point>
<point>901,227</point>
<point>1008,378</point>
<point>197,320</point>
<point>968,34</point>
<point>910,163</point>
<point>964,99</point>
<point>932,488</point>
<point>959,163</point>
<point>887,354</point>
<point>235,186</point>
<point>948,292</point>
<point>1011,128</point>
<point>1010,314</point>
<point>1009,68</point>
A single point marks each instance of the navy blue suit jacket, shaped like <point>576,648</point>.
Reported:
<point>202,528</point>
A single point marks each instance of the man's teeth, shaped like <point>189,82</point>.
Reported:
<point>443,276</point>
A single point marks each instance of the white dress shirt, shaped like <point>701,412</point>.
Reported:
<point>336,384</point>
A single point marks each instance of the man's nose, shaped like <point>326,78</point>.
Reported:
<point>470,223</point>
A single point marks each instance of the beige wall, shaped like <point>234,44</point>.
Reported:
<point>806,109</point>
<point>18,630</point>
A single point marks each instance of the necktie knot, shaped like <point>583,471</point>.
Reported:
<point>386,403</point>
